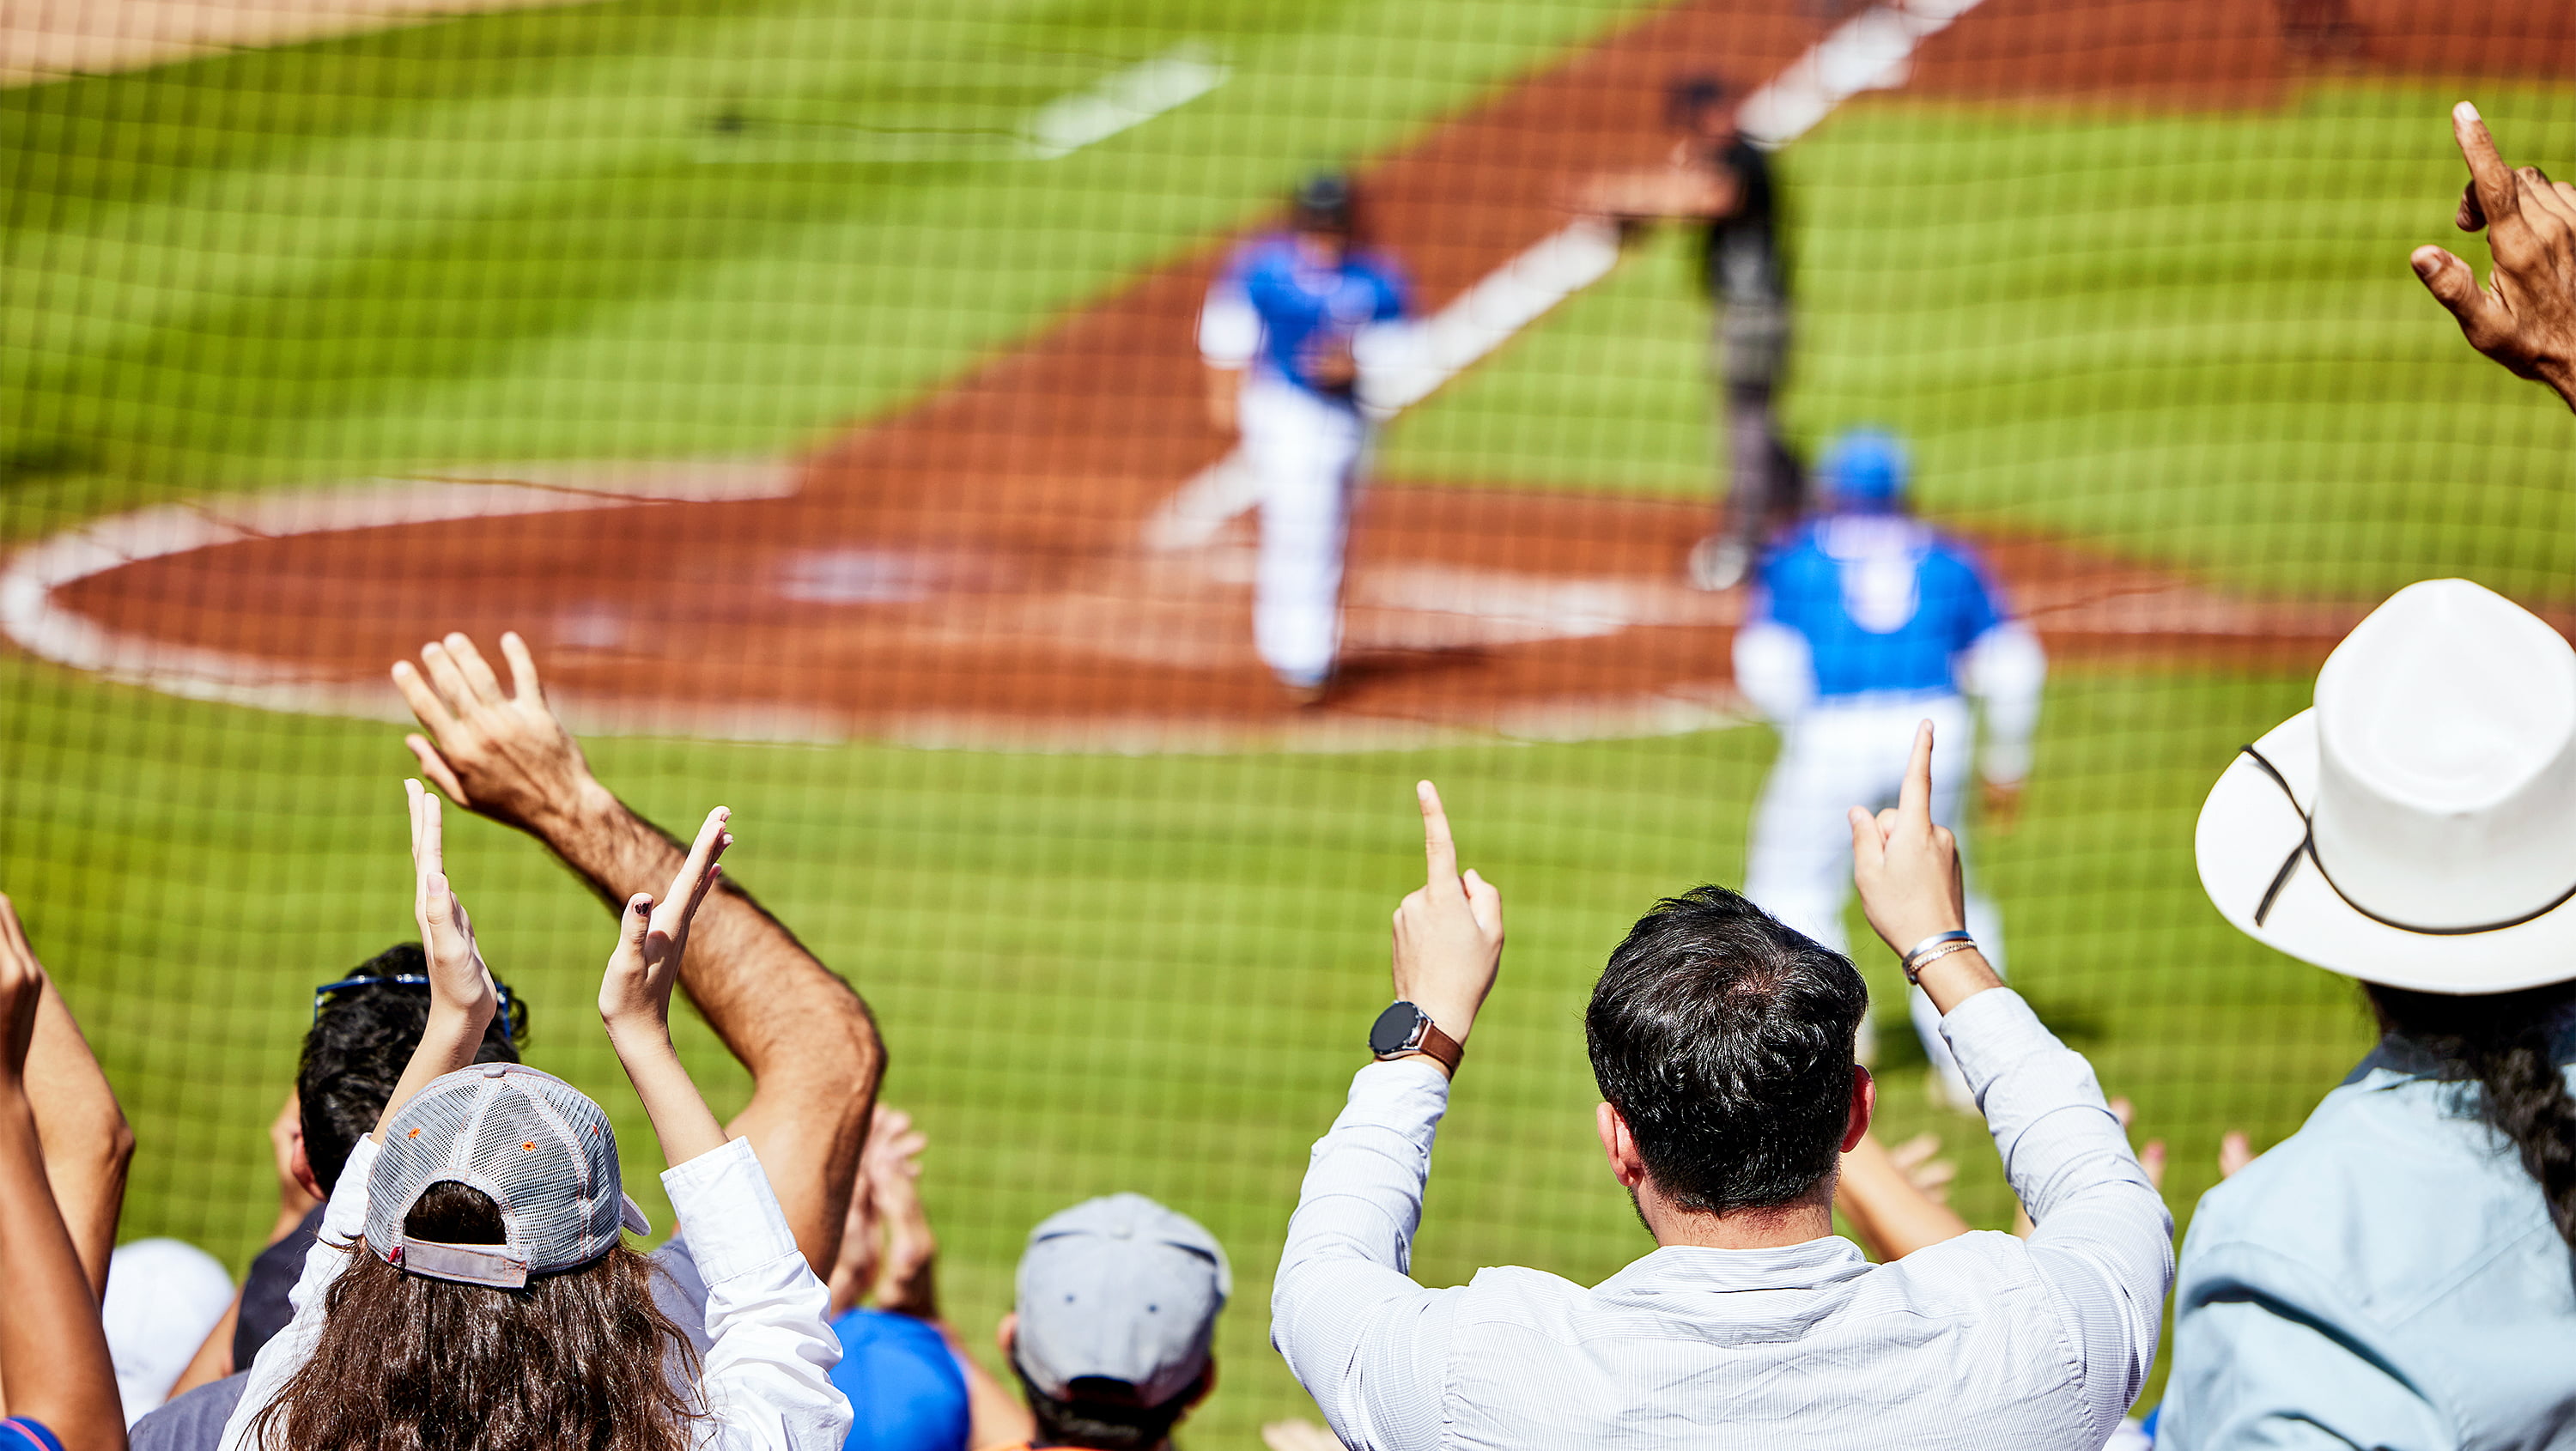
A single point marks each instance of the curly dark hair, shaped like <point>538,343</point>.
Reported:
<point>2505,1045</point>
<point>1726,1039</point>
<point>356,1050</point>
<point>574,1362</point>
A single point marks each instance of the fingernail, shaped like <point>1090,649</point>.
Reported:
<point>2467,111</point>
<point>2424,267</point>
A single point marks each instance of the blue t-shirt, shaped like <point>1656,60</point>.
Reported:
<point>1883,601</point>
<point>17,1433</point>
<point>906,1392</point>
<point>1302,306</point>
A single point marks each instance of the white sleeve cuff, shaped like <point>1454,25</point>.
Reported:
<point>728,1211</point>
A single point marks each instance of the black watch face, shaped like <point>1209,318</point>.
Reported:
<point>1394,1028</point>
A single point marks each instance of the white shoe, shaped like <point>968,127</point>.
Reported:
<point>1719,563</point>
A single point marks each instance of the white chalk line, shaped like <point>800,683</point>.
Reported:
<point>1121,101</point>
<point>1872,51</point>
<point>32,617</point>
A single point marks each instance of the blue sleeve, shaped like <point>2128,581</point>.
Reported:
<point>2268,1358</point>
<point>18,1433</point>
<point>905,1388</point>
<point>1394,291</point>
<point>1973,609</point>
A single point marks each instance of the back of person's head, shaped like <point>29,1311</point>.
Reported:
<point>1866,470</point>
<point>1726,1041</point>
<point>509,1320</point>
<point>1115,1325</point>
<point>1692,101</point>
<point>2508,1047</point>
<point>1326,203</point>
<point>364,1029</point>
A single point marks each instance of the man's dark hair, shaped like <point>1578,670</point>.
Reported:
<point>356,1050</point>
<point>1104,1414</point>
<point>1725,1040</point>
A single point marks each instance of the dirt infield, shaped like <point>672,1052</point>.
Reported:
<point>42,40</point>
<point>973,571</point>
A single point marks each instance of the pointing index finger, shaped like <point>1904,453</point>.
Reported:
<point>1439,849</point>
<point>1914,799</point>
<point>2492,180</point>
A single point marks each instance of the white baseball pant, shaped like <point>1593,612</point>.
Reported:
<point>1306,452</point>
<point>1834,755</point>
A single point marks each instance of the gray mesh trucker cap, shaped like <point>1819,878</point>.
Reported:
<point>542,1151</point>
<point>1123,1289</point>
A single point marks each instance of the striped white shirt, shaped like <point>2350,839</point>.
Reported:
<point>1982,1342</point>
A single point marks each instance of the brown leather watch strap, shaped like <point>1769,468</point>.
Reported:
<point>1437,1046</point>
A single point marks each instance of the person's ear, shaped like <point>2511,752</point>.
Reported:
<point>1007,1334</point>
<point>1619,1146</point>
<point>301,1167</point>
<point>1864,1107</point>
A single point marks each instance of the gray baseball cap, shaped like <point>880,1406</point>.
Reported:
<point>541,1149</point>
<point>1120,1289</point>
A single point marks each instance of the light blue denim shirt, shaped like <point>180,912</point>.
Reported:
<point>2386,1277</point>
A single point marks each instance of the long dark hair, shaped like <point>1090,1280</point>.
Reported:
<point>574,1362</point>
<point>2502,1042</point>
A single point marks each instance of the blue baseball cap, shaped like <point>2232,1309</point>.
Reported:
<point>1867,468</point>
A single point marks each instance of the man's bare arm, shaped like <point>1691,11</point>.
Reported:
<point>808,1039</point>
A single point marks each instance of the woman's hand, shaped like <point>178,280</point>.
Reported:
<point>635,998</point>
<point>461,995</point>
<point>459,983</point>
<point>635,994</point>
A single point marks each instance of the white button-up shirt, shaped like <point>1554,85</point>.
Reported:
<point>1982,1342</point>
<point>765,1379</point>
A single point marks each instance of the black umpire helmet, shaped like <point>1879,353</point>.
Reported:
<point>1691,97</point>
<point>1324,202</point>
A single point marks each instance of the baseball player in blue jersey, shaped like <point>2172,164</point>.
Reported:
<point>1293,330</point>
<point>1864,621</point>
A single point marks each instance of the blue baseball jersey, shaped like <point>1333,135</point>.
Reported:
<point>1883,601</point>
<point>1302,307</point>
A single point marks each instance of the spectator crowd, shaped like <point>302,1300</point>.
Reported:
<point>451,1269</point>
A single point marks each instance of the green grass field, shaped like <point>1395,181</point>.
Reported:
<point>2188,338</point>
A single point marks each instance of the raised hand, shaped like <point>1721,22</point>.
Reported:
<point>496,752</point>
<point>462,998</point>
<point>635,998</point>
<point>1906,866</point>
<point>22,992</point>
<point>2525,317</point>
<point>1449,933</point>
<point>635,993</point>
<point>458,980</point>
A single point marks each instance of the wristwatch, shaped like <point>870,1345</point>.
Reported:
<point>1404,1030</point>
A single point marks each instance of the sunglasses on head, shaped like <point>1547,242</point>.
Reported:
<point>322,995</point>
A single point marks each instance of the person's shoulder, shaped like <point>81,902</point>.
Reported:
<point>2347,1204</point>
<point>192,1422</point>
<point>1379,267</point>
<point>1519,1295</point>
<point>863,1327</point>
<point>1266,253</point>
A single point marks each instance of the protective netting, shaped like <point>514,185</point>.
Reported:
<point>817,388</point>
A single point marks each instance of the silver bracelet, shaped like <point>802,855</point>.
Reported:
<point>1928,943</point>
<point>1914,965</point>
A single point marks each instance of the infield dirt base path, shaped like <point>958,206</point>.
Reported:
<point>972,572</point>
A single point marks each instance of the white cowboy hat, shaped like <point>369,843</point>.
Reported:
<point>2417,828</point>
